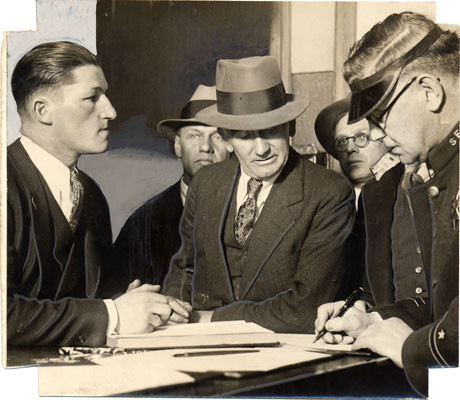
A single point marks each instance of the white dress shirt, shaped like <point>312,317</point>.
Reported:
<point>57,177</point>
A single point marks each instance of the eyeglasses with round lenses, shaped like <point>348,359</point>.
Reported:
<point>360,140</point>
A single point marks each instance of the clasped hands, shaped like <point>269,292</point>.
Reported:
<point>142,309</point>
<point>363,329</point>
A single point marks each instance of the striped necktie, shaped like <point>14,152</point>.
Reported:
<point>76,194</point>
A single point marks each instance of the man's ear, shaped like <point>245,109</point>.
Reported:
<point>177,148</point>
<point>228,146</point>
<point>41,109</point>
<point>433,92</point>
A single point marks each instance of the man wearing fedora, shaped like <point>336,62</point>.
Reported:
<point>404,76</point>
<point>150,237</point>
<point>263,234</point>
<point>362,160</point>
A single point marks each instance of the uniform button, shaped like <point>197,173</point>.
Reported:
<point>81,339</point>
<point>245,254</point>
<point>418,290</point>
<point>418,250</point>
<point>433,191</point>
<point>418,270</point>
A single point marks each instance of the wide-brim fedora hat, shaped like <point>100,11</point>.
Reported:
<point>251,96</point>
<point>375,90</point>
<point>203,97</point>
<point>326,122</point>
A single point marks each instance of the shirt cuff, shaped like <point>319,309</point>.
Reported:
<point>113,316</point>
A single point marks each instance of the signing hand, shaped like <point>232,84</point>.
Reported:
<point>141,309</point>
<point>385,338</point>
<point>346,328</point>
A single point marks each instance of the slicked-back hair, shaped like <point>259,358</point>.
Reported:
<point>395,36</point>
<point>45,66</point>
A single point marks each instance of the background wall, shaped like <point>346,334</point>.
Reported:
<point>322,34</point>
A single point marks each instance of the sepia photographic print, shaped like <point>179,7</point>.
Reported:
<point>256,199</point>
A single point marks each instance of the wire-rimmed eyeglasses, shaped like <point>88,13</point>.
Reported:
<point>360,140</point>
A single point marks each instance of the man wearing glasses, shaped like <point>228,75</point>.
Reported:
<point>357,154</point>
<point>404,79</point>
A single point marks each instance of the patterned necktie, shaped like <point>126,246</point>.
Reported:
<point>76,193</point>
<point>244,221</point>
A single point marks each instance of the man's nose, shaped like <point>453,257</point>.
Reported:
<point>261,147</point>
<point>351,147</point>
<point>108,111</point>
<point>206,145</point>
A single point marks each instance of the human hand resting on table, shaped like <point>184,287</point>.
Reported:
<point>385,338</point>
<point>142,309</point>
<point>346,328</point>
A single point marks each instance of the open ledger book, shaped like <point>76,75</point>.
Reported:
<point>212,334</point>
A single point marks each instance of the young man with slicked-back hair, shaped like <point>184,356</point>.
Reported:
<point>58,227</point>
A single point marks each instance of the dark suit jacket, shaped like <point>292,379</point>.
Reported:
<point>294,258</point>
<point>149,239</point>
<point>38,313</point>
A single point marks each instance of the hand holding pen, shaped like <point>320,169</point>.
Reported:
<point>329,311</point>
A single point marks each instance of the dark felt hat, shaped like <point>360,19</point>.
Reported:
<point>327,120</point>
<point>203,97</point>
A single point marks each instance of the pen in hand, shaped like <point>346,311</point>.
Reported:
<point>348,303</point>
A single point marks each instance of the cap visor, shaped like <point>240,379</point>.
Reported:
<point>365,101</point>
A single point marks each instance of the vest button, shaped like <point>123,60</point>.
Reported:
<point>418,270</point>
<point>433,192</point>
<point>245,254</point>
<point>418,290</point>
<point>81,339</point>
<point>418,250</point>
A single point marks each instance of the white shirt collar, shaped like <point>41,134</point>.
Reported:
<point>55,173</point>
<point>183,190</point>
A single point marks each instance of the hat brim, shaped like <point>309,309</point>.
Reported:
<point>326,122</point>
<point>294,107</point>
<point>364,102</point>
<point>168,128</point>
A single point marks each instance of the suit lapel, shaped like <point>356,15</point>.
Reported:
<point>277,217</point>
<point>37,201</point>
<point>223,200</point>
<point>378,201</point>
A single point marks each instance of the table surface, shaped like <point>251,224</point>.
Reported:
<point>340,375</point>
